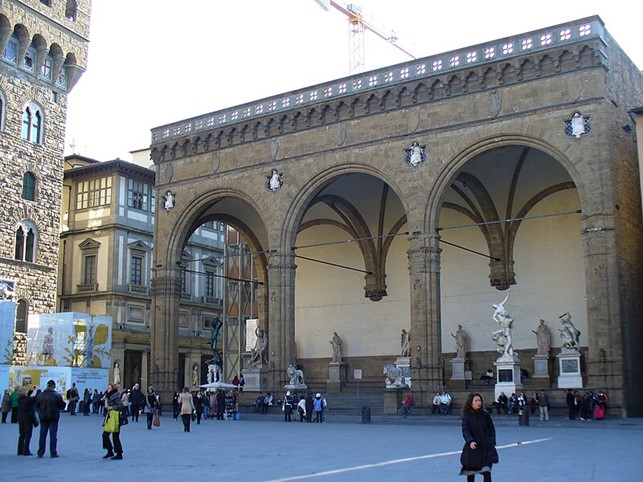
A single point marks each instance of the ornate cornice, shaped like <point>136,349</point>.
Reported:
<point>547,52</point>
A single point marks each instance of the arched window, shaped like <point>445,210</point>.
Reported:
<point>29,186</point>
<point>22,315</point>
<point>71,9</point>
<point>26,242</point>
<point>32,124</point>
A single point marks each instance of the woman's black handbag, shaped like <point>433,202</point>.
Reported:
<point>122,418</point>
<point>471,459</point>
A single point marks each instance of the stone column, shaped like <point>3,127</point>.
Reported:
<point>282,350</point>
<point>426,347</point>
<point>604,359</point>
<point>164,362</point>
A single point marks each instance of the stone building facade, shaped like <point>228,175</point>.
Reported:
<point>43,47</point>
<point>414,197</point>
<point>106,247</point>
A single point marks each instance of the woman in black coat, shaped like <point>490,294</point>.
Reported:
<point>26,419</point>
<point>479,451</point>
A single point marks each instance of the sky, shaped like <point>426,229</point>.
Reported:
<point>152,63</point>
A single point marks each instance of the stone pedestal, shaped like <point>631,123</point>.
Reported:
<point>336,377</point>
<point>459,370</point>
<point>256,379</point>
<point>507,375</point>
<point>393,400</point>
<point>569,369</point>
<point>541,366</point>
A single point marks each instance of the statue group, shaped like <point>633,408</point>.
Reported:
<point>503,336</point>
<point>569,334</point>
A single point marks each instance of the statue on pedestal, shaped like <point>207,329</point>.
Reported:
<point>258,352</point>
<point>406,342</point>
<point>569,334</point>
<point>336,343</point>
<point>503,335</point>
<point>543,339</point>
<point>296,375</point>
<point>460,342</point>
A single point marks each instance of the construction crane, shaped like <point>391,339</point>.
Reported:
<point>356,27</point>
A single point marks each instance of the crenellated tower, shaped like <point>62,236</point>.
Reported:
<point>43,53</point>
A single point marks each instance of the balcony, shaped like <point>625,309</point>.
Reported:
<point>186,296</point>
<point>87,288</point>
<point>138,289</point>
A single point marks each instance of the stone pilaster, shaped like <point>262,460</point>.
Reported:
<point>604,359</point>
<point>281,310</point>
<point>426,348</point>
<point>164,362</point>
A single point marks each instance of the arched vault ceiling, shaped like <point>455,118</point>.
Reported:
<point>361,208</point>
<point>229,209</point>
<point>498,188</point>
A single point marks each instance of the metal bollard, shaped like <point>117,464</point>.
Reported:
<point>523,417</point>
<point>366,415</point>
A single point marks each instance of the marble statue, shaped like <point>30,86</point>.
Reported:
<point>195,375</point>
<point>569,334</point>
<point>258,352</point>
<point>406,342</point>
<point>543,340</point>
<point>88,360</point>
<point>296,375</point>
<point>48,344</point>
<point>503,335</point>
<point>117,373</point>
<point>214,333</point>
<point>460,342</point>
<point>336,342</point>
<point>395,376</point>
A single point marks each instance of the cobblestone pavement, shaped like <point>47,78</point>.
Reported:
<point>264,448</point>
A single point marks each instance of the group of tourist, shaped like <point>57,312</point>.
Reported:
<point>305,406</point>
<point>587,407</point>
<point>441,403</point>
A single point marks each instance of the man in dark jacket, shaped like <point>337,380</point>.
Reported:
<point>49,405</point>
<point>136,400</point>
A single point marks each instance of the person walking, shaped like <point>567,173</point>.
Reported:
<point>301,408</point>
<point>287,407</point>
<point>187,407</point>
<point>570,399</point>
<point>49,404</point>
<point>72,398</point>
<point>87,401</point>
<point>113,407</point>
<point>479,452</point>
<point>26,420</point>
<point>543,405</point>
<point>310,407</point>
<point>137,399</point>
<point>151,406</point>
<point>14,405</point>
<point>319,404</point>
<point>220,399</point>
<point>6,405</point>
<point>197,400</point>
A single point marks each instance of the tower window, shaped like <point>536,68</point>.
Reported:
<point>25,248</point>
<point>29,187</point>
<point>32,124</point>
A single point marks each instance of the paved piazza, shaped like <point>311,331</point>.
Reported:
<point>264,448</point>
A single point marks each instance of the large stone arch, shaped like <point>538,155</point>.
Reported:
<point>602,343</point>
<point>345,221</point>
<point>241,212</point>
